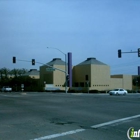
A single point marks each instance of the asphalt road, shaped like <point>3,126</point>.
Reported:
<point>60,116</point>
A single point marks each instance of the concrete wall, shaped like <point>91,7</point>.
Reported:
<point>127,82</point>
<point>100,77</point>
<point>79,75</point>
<point>116,83</point>
<point>45,76</point>
<point>34,76</point>
<point>57,78</point>
<point>121,81</point>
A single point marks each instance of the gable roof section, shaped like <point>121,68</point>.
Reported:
<point>56,61</point>
<point>32,72</point>
<point>91,61</point>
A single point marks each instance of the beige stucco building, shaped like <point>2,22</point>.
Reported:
<point>122,81</point>
<point>49,76</point>
<point>33,73</point>
<point>97,74</point>
<point>91,74</point>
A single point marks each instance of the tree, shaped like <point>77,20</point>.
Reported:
<point>5,73</point>
<point>1,73</point>
<point>14,72</point>
<point>22,71</point>
<point>14,79</point>
<point>18,72</point>
<point>4,76</point>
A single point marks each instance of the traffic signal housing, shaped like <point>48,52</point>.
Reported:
<point>14,59</point>
<point>138,52</point>
<point>119,53</point>
<point>33,61</point>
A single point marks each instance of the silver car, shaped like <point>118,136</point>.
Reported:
<point>118,91</point>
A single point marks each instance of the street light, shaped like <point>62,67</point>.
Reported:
<point>65,66</point>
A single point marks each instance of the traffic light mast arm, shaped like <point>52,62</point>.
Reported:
<point>120,52</point>
<point>131,52</point>
<point>43,64</point>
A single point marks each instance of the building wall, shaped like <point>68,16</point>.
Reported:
<point>45,76</point>
<point>34,76</point>
<point>116,83</point>
<point>57,78</point>
<point>33,73</point>
<point>100,77</point>
<point>136,86</point>
<point>121,81</point>
<point>127,82</point>
<point>79,75</point>
<point>42,75</point>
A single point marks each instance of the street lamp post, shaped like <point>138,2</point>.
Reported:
<point>65,67</point>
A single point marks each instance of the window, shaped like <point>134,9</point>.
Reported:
<point>76,84</point>
<point>86,77</point>
<point>82,84</point>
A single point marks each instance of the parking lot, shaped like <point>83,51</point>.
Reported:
<point>71,116</point>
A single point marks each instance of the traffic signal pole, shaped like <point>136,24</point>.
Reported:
<point>120,52</point>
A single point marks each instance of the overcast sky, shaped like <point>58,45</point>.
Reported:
<point>87,28</point>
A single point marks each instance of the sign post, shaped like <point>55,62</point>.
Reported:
<point>22,87</point>
<point>88,86</point>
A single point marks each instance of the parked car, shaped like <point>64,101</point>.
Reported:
<point>118,91</point>
<point>6,89</point>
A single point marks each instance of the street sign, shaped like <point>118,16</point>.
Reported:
<point>50,69</point>
<point>22,85</point>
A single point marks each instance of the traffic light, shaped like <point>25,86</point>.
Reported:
<point>14,59</point>
<point>138,52</point>
<point>119,53</point>
<point>33,61</point>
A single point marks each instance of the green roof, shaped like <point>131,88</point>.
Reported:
<point>32,72</point>
<point>91,61</point>
<point>56,61</point>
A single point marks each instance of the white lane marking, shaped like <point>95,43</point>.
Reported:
<point>115,121</point>
<point>12,96</point>
<point>60,134</point>
<point>80,130</point>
